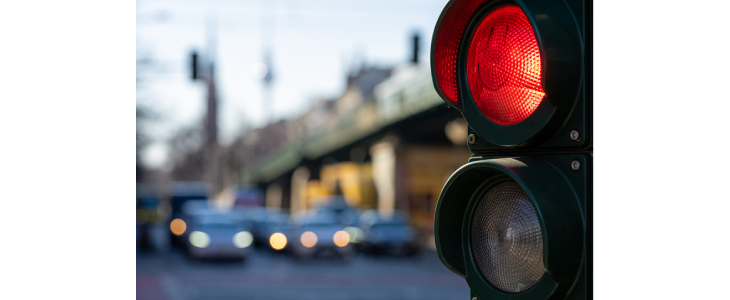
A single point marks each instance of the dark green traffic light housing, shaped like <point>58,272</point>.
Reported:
<point>560,198</point>
<point>499,239</point>
<point>563,34</point>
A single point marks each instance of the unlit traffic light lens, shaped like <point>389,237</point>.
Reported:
<point>506,239</point>
<point>504,67</point>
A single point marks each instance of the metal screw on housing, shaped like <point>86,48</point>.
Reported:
<point>474,298</point>
<point>574,135</point>
<point>575,165</point>
<point>472,139</point>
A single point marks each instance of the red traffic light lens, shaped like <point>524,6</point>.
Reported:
<point>503,66</point>
<point>446,44</point>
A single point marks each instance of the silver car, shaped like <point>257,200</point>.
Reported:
<point>216,234</point>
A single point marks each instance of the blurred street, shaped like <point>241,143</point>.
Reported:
<point>320,176</point>
<point>268,275</point>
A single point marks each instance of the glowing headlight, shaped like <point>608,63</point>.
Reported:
<point>308,239</point>
<point>355,233</point>
<point>177,227</point>
<point>199,239</point>
<point>277,241</point>
<point>242,239</point>
<point>341,238</point>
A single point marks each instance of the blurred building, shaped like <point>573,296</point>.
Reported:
<point>387,143</point>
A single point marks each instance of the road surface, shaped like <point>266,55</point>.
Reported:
<point>267,275</point>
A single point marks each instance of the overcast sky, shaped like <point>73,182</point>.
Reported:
<point>314,44</point>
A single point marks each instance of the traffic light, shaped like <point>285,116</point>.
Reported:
<point>516,220</point>
<point>194,67</point>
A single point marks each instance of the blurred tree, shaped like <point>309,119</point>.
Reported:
<point>144,115</point>
<point>187,154</point>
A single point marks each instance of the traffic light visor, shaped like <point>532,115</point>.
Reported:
<point>504,66</point>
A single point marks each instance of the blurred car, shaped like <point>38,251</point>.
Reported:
<point>345,215</point>
<point>148,209</point>
<point>320,234</point>
<point>217,234</point>
<point>257,216</point>
<point>388,235</point>
<point>242,215</point>
<point>148,204</point>
<point>182,193</point>
<point>275,231</point>
<point>337,206</point>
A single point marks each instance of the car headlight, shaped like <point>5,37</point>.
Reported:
<point>177,227</point>
<point>242,239</point>
<point>199,239</point>
<point>341,238</point>
<point>355,233</point>
<point>277,241</point>
<point>308,239</point>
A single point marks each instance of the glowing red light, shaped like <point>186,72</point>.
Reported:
<point>503,66</point>
<point>446,44</point>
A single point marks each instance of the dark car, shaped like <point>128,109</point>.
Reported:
<point>388,235</point>
<point>275,231</point>
<point>180,194</point>
<point>344,215</point>
<point>257,218</point>
<point>320,234</point>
